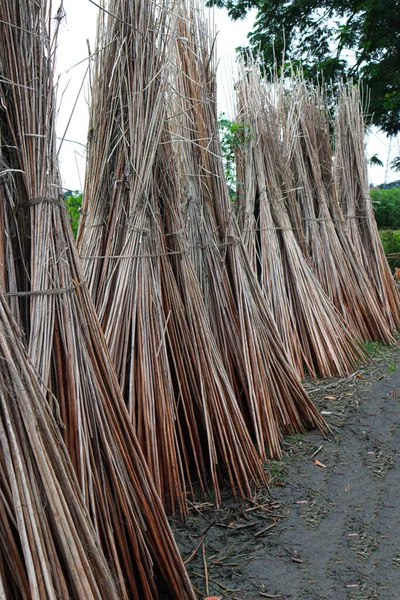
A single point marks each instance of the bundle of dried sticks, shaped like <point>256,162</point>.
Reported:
<point>197,353</point>
<point>314,334</point>
<point>351,179</point>
<point>65,342</point>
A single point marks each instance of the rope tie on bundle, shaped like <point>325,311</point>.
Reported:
<point>49,292</point>
<point>43,200</point>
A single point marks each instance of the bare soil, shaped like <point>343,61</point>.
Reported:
<point>325,529</point>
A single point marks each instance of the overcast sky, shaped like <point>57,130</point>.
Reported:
<point>80,26</point>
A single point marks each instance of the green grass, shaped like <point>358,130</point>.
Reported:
<point>373,348</point>
<point>294,439</point>
<point>276,470</point>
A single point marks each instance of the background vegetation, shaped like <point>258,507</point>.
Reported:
<point>386,205</point>
<point>339,38</point>
<point>73,202</point>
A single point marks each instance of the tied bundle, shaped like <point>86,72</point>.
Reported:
<point>351,178</point>
<point>315,336</point>
<point>61,329</point>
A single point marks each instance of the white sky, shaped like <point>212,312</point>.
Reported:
<point>80,26</point>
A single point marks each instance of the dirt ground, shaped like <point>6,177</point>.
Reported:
<point>326,529</point>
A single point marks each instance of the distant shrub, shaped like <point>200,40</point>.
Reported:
<point>386,205</point>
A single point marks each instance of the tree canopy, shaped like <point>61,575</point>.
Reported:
<point>337,37</point>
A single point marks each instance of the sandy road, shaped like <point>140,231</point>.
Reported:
<point>329,531</point>
<point>344,520</point>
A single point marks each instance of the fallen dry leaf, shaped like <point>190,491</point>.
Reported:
<point>329,397</point>
<point>213,598</point>
<point>320,464</point>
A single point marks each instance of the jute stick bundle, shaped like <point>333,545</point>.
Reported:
<point>314,334</point>
<point>65,342</point>
<point>48,547</point>
<point>333,256</point>
<point>237,310</point>
<point>353,192</point>
<point>177,391</point>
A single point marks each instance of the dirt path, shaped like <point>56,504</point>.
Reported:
<point>329,531</point>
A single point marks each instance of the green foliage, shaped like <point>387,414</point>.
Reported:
<point>390,239</point>
<point>277,472</point>
<point>232,135</point>
<point>375,161</point>
<point>320,34</point>
<point>395,164</point>
<point>295,439</point>
<point>73,203</point>
<point>386,205</point>
<point>373,348</point>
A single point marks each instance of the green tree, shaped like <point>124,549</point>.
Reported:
<point>322,34</point>
<point>73,203</point>
<point>395,164</point>
<point>375,161</point>
<point>232,135</point>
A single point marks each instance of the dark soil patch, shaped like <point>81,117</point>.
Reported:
<point>329,531</point>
